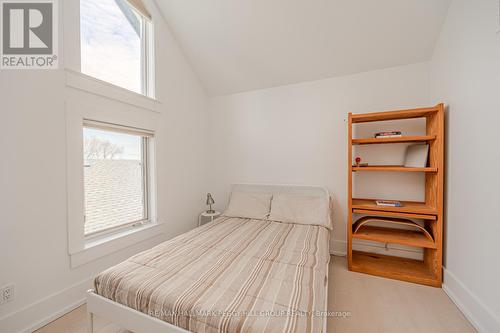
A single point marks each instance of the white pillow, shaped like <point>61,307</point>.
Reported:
<point>249,205</point>
<point>301,209</point>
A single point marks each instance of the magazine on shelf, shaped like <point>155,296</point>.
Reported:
<point>389,134</point>
<point>388,203</point>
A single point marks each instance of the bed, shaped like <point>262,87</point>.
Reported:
<point>235,274</point>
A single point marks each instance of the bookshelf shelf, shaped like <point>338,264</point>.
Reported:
<point>394,115</point>
<point>394,214</point>
<point>403,139</point>
<point>394,268</point>
<point>393,169</point>
<point>429,270</point>
<point>394,236</point>
<point>408,207</point>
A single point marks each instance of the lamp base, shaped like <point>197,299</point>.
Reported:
<point>210,211</point>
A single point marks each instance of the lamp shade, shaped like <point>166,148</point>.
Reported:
<point>210,200</point>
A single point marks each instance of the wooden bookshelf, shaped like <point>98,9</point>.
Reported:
<point>429,237</point>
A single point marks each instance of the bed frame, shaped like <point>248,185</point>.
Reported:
<point>139,322</point>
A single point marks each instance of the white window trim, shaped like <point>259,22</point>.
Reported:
<point>148,60</point>
<point>112,243</point>
<point>85,249</point>
<point>78,80</point>
<point>86,83</point>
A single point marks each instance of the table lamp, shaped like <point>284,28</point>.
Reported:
<point>210,202</point>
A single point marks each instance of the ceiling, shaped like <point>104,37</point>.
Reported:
<point>240,45</point>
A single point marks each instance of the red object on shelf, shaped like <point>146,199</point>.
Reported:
<point>358,160</point>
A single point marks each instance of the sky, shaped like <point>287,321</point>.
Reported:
<point>131,144</point>
<point>111,49</point>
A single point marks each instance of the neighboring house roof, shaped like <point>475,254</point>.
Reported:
<point>113,193</point>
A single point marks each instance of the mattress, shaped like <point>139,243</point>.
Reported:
<point>230,275</point>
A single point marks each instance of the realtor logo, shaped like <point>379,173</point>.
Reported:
<point>29,34</point>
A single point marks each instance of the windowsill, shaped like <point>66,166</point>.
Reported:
<point>83,82</point>
<point>96,248</point>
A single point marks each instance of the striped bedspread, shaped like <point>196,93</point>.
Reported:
<point>231,275</point>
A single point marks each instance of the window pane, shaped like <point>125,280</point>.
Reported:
<point>111,42</point>
<point>113,179</point>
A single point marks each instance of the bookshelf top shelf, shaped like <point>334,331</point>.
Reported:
<point>394,115</point>
<point>403,139</point>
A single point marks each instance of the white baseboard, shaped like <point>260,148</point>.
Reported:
<point>48,308</point>
<point>338,248</point>
<point>480,316</point>
<point>37,314</point>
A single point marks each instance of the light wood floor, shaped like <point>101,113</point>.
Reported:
<point>375,305</point>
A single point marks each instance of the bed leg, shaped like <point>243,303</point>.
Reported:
<point>90,322</point>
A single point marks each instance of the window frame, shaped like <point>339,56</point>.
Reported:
<point>147,61</point>
<point>145,136</point>
<point>83,249</point>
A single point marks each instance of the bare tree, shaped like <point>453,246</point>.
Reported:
<point>96,148</point>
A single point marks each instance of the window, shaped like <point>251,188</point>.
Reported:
<point>112,200</point>
<point>116,182</point>
<point>116,43</point>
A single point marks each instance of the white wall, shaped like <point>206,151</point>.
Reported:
<point>466,75</point>
<point>297,134</point>
<point>33,228</point>
<point>290,134</point>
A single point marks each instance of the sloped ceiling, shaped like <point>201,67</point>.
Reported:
<point>240,45</point>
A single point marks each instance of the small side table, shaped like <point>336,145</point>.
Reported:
<point>212,216</point>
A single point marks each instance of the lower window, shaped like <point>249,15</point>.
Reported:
<point>116,182</point>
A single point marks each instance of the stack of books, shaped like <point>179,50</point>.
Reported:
<point>391,134</point>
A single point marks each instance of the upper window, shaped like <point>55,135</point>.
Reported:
<point>116,43</point>
<point>115,164</point>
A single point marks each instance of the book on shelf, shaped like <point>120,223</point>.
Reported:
<point>389,203</point>
<point>390,134</point>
